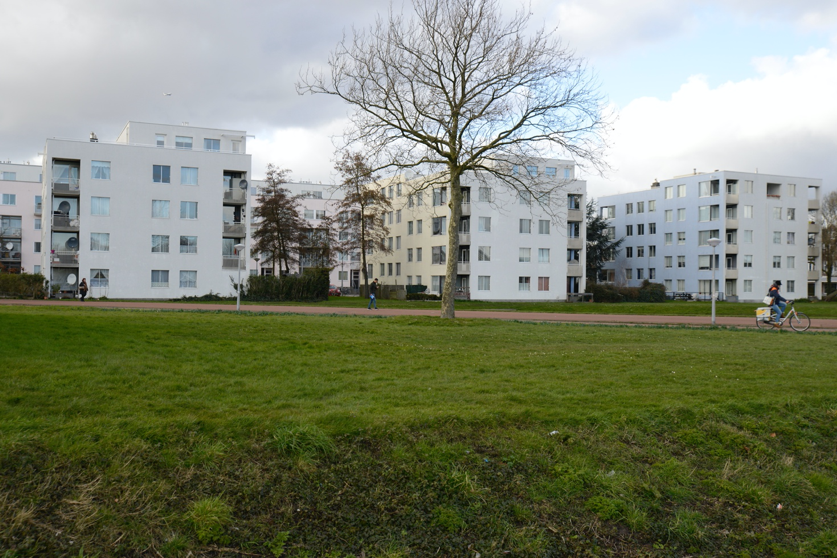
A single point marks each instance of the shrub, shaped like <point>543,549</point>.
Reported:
<point>647,292</point>
<point>23,285</point>
<point>604,292</point>
<point>422,296</point>
<point>311,286</point>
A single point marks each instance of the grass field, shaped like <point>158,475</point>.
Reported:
<point>127,433</point>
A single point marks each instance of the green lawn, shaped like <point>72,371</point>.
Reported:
<point>130,433</point>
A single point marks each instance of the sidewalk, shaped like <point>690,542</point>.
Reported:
<point>612,319</point>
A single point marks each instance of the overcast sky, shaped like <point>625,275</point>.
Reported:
<point>727,84</point>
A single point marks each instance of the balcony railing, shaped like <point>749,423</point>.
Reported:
<point>235,195</point>
<point>65,186</point>
<point>10,255</point>
<point>235,229</point>
<point>38,209</point>
<point>10,232</point>
<point>62,221</point>
<point>64,257</point>
<point>230,262</point>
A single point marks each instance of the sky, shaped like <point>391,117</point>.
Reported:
<point>745,85</point>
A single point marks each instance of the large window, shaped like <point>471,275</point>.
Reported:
<point>160,209</point>
<point>162,174</point>
<point>484,283</point>
<point>8,199</point>
<point>188,279</point>
<point>188,210</point>
<point>99,206</point>
<point>485,224</point>
<point>159,277</point>
<point>525,226</point>
<point>189,176</point>
<point>748,212</point>
<point>99,242</point>
<point>188,244</point>
<point>704,236</point>
<point>608,212</point>
<point>159,244</point>
<point>99,278</point>
<point>8,175</point>
<point>484,254</point>
<point>440,196</point>
<point>439,254</point>
<point>543,283</point>
<point>543,255</point>
<point>652,205</point>
<point>573,201</point>
<point>573,229</point>
<point>100,170</point>
<point>709,213</point>
<point>485,194</point>
<point>439,225</point>
<point>748,260</point>
<point>182,142</point>
<point>211,144</point>
<point>543,226</point>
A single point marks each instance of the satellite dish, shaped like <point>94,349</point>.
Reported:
<point>64,207</point>
<point>9,246</point>
<point>243,184</point>
<point>71,279</point>
<point>72,243</point>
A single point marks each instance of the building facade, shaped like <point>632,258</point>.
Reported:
<point>20,217</point>
<point>510,248</point>
<point>154,214</point>
<point>768,225</point>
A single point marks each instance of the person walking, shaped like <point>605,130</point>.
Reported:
<point>779,302</point>
<point>82,289</point>
<point>373,292</point>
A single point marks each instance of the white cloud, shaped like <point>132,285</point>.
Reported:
<point>784,121</point>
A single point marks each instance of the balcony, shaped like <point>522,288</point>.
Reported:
<point>65,187</point>
<point>464,239</point>
<point>64,222</point>
<point>574,269</point>
<point>230,262</point>
<point>814,251</point>
<point>814,275</point>
<point>575,243</point>
<point>731,224</point>
<point>237,230</point>
<point>64,258</point>
<point>732,199</point>
<point>575,215</point>
<point>10,232</point>
<point>814,204</point>
<point>463,268</point>
<point>814,228</point>
<point>731,249</point>
<point>235,196</point>
<point>10,256</point>
<point>466,209</point>
<point>731,273</point>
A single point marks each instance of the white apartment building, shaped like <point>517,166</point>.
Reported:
<point>154,214</point>
<point>20,217</point>
<point>769,227</point>
<point>509,247</point>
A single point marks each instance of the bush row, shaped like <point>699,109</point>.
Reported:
<point>647,292</point>
<point>22,285</point>
<point>422,296</point>
<point>310,286</point>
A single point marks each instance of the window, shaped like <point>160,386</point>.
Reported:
<point>389,243</point>
<point>418,226</point>
<point>383,270</point>
<point>100,170</point>
<point>791,262</point>
<point>319,213</point>
<point>99,278</point>
<point>791,214</point>
<point>8,199</point>
<point>640,229</point>
<point>608,212</point>
<point>189,176</point>
<point>791,286</point>
<point>524,255</point>
<point>748,212</point>
<point>748,285</point>
<point>791,238</point>
<point>99,206</point>
<point>532,170</point>
<point>525,226</point>
<point>398,266</point>
<point>652,228</point>
<point>704,236</point>
<point>398,190</point>
<point>711,213</point>
<point>160,209</point>
<point>418,280</point>
<point>159,277</point>
<point>652,205</point>
<point>419,200</point>
<point>236,146</point>
<point>732,212</point>
<point>640,207</point>
<point>668,260</point>
<point>437,283</point>
<point>681,214</point>
<point>188,279</point>
<point>543,283</point>
<point>669,215</point>
<point>681,238</point>
<point>389,269</point>
<point>37,224</point>
<point>629,274</point>
<point>681,261</point>
<point>629,208</point>
<point>99,242</point>
<point>409,227</point>
<point>704,262</point>
<point>652,251</point>
<point>211,144</point>
<point>440,196</point>
<point>748,237</point>
<point>543,255</point>
<point>543,226</point>
<point>573,255</point>
<point>525,198</point>
<point>161,140</point>
<point>188,210</point>
<point>574,201</point>
<point>748,186</point>
<point>748,260</point>
<point>418,256</point>
<point>550,171</point>
<point>669,192</point>
<point>777,237</point>
<point>389,218</point>
<point>640,251</point>
<point>523,283</point>
<point>573,229</point>
<point>681,190</point>
<point>398,213</point>
<point>398,243</point>
<point>667,284</point>
<point>182,142</point>
<point>777,213</point>
<point>484,254</point>
<point>439,225</point>
<point>777,262</point>
<point>629,230</point>
<point>409,255</point>
<point>162,174</point>
<point>485,224</point>
<point>159,244</point>
<point>669,237</point>
<point>792,190</point>
<point>709,188</point>
<point>188,244</point>
<point>681,285</point>
<point>37,249</point>
<point>629,252</point>
<point>610,233</point>
<point>389,194</point>
<point>485,195</point>
<point>640,273</point>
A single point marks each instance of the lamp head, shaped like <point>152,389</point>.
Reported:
<point>713,242</point>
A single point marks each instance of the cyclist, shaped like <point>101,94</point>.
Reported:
<point>779,302</point>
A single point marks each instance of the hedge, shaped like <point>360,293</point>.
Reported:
<point>647,292</point>
<point>23,285</point>
<point>311,286</point>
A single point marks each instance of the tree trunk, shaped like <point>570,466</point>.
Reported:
<point>455,205</point>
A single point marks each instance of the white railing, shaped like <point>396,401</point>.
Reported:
<point>66,221</point>
<point>64,257</point>
<point>234,229</point>
<point>235,195</point>
<point>230,262</point>
<point>70,186</point>
<point>10,232</point>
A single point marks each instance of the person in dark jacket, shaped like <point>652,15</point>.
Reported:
<point>779,302</point>
<point>82,289</point>
<point>373,292</point>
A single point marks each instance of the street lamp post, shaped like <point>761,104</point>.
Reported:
<point>239,248</point>
<point>258,269</point>
<point>713,242</point>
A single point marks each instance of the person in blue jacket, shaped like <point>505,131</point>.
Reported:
<point>779,302</point>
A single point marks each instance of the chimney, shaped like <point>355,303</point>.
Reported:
<point>93,138</point>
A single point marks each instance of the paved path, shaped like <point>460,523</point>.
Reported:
<point>817,324</point>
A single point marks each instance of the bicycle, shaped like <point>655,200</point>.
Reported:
<point>797,320</point>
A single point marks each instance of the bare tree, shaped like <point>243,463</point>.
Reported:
<point>360,215</point>
<point>280,227</point>
<point>829,237</point>
<point>318,245</point>
<point>459,89</point>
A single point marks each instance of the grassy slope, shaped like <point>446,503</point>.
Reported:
<point>431,435</point>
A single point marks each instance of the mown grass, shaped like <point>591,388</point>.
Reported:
<point>135,433</point>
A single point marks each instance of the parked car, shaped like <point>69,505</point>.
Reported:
<point>334,290</point>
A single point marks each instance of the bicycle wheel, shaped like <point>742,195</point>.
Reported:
<point>799,322</point>
<point>761,324</point>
